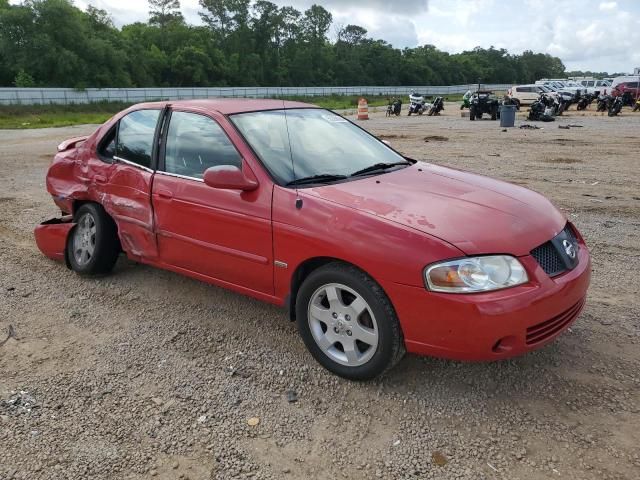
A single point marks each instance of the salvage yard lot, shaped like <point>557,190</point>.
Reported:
<point>144,373</point>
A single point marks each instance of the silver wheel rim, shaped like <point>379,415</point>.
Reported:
<point>343,325</point>
<point>84,239</point>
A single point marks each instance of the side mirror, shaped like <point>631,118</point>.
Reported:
<point>228,177</point>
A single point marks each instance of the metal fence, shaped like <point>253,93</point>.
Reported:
<point>65,96</point>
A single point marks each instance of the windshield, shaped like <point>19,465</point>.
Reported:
<point>320,142</point>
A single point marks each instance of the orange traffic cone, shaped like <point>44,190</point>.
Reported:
<point>363,109</point>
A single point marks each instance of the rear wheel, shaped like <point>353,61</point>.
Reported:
<point>472,113</point>
<point>348,323</point>
<point>93,246</point>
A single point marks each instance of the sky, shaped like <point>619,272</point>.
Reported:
<point>586,34</point>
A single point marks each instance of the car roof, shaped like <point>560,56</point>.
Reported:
<point>229,106</point>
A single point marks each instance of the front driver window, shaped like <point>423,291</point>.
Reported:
<point>196,143</point>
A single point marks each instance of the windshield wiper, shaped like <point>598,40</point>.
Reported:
<point>321,178</point>
<point>378,167</point>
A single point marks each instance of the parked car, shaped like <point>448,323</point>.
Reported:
<point>527,94</point>
<point>560,87</point>
<point>626,84</point>
<point>596,87</point>
<point>372,253</point>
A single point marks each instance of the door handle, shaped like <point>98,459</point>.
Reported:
<point>164,194</point>
<point>100,179</point>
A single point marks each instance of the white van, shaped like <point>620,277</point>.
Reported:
<point>593,85</point>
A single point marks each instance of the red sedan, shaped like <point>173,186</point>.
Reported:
<point>372,253</point>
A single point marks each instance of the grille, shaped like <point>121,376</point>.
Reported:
<point>549,259</point>
<point>545,330</point>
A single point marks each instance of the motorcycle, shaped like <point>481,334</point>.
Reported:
<point>436,107</point>
<point>604,101</point>
<point>394,107</point>
<point>585,101</point>
<point>543,108</point>
<point>616,106</point>
<point>418,104</point>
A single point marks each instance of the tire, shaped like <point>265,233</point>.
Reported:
<point>494,113</point>
<point>472,114</point>
<point>93,246</point>
<point>328,337</point>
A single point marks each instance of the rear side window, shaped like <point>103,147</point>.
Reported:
<point>195,143</point>
<point>136,132</point>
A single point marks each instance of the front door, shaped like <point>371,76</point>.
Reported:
<point>124,183</point>
<point>222,234</point>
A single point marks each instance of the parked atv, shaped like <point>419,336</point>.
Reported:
<point>483,101</point>
<point>394,107</point>
<point>466,100</point>
<point>436,107</point>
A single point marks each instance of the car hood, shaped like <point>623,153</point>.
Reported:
<point>477,214</point>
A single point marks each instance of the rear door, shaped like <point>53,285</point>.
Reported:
<point>222,234</point>
<point>125,187</point>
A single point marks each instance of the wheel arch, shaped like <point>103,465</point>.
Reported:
<point>79,202</point>
<point>308,266</point>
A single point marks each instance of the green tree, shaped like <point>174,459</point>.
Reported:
<point>24,80</point>
<point>163,12</point>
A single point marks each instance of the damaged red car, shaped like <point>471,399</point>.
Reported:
<point>372,253</point>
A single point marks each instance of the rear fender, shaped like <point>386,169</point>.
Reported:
<point>52,237</point>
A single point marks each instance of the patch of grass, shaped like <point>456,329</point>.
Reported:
<point>47,116</point>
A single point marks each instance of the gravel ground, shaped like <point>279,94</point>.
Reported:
<point>146,374</point>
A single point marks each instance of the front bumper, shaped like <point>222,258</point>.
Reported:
<point>494,325</point>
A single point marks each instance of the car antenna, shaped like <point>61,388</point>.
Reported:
<point>293,165</point>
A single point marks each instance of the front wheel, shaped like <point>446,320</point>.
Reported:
<point>348,323</point>
<point>93,246</point>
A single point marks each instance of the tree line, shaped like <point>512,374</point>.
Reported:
<point>52,43</point>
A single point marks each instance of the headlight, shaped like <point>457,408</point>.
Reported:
<point>475,274</point>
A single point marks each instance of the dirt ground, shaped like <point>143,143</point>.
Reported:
<point>146,374</point>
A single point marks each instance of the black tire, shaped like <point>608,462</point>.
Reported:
<point>106,246</point>
<point>390,348</point>
<point>472,114</point>
<point>494,113</point>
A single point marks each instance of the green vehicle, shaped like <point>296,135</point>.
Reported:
<point>466,100</point>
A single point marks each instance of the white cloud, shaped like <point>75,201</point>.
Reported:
<point>607,6</point>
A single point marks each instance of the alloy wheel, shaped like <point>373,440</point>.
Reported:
<point>343,325</point>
